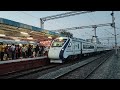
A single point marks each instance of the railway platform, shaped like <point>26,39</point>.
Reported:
<point>11,66</point>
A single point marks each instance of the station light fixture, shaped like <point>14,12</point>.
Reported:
<point>31,42</point>
<point>50,37</point>
<point>32,31</point>
<point>24,33</point>
<point>17,40</point>
<point>20,44</point>
<point>29,38</point>
<point>2,35</point>
<point>60,38</point>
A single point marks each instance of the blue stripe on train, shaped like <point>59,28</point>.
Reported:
<point>62,50</point>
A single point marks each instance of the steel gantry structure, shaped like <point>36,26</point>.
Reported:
<point>99,25</point>
<point>83,27</point>
<point>67,14</point>
<point>72,13</point>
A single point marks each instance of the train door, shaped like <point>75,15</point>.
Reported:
<point>77,49</point>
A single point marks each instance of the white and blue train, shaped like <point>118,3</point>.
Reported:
<point>64,47</point>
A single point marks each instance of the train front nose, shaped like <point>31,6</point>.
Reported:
<point>53,53</point>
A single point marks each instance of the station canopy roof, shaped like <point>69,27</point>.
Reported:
<point>15,30</point>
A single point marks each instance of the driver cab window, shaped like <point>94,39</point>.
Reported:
<point>58,43</point>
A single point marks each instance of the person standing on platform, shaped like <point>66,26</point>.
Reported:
<point>23,51</point>
<point>7,51</point>
<point>36,51</point>
<point>29,51</point>
<point>16,51</point>
<point>46,51</point>
<point>13,51</point>
<point>2,50</point>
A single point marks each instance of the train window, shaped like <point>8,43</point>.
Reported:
<point>88,47</point>
<point>58,43</point>
<point>99,47</point>
<point>91,47</point>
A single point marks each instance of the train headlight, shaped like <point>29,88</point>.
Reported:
<point>60,38</point>
<point>62,49</point>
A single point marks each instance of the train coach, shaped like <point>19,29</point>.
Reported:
<point>63,48</point>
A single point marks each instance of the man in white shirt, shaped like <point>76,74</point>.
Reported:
<point>13,51</point>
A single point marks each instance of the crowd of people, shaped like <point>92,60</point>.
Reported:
<point>12,52</point>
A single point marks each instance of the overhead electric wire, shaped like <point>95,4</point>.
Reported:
<point>91,19</point>
<point>94,22</point>
<point>108,31</point>
<point>103,29</point>
<point>29,14</point>
<point>118,30</point>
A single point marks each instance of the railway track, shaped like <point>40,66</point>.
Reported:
<point>26,72</point>
<point>52,68</point>
<point>29,73</point>
<point>20,74</point>
<point>65,72</point>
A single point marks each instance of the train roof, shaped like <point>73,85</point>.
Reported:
<point>15,24</point>
<point>78,39</point>
<point>74,38</point>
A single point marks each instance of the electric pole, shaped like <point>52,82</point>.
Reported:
<point>94,38</point>
<point>41,23</point>
<point>113,25</point>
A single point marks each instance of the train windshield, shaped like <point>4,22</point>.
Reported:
<point>58,42</point>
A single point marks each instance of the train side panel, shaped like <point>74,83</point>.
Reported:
<point>73,48</point>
